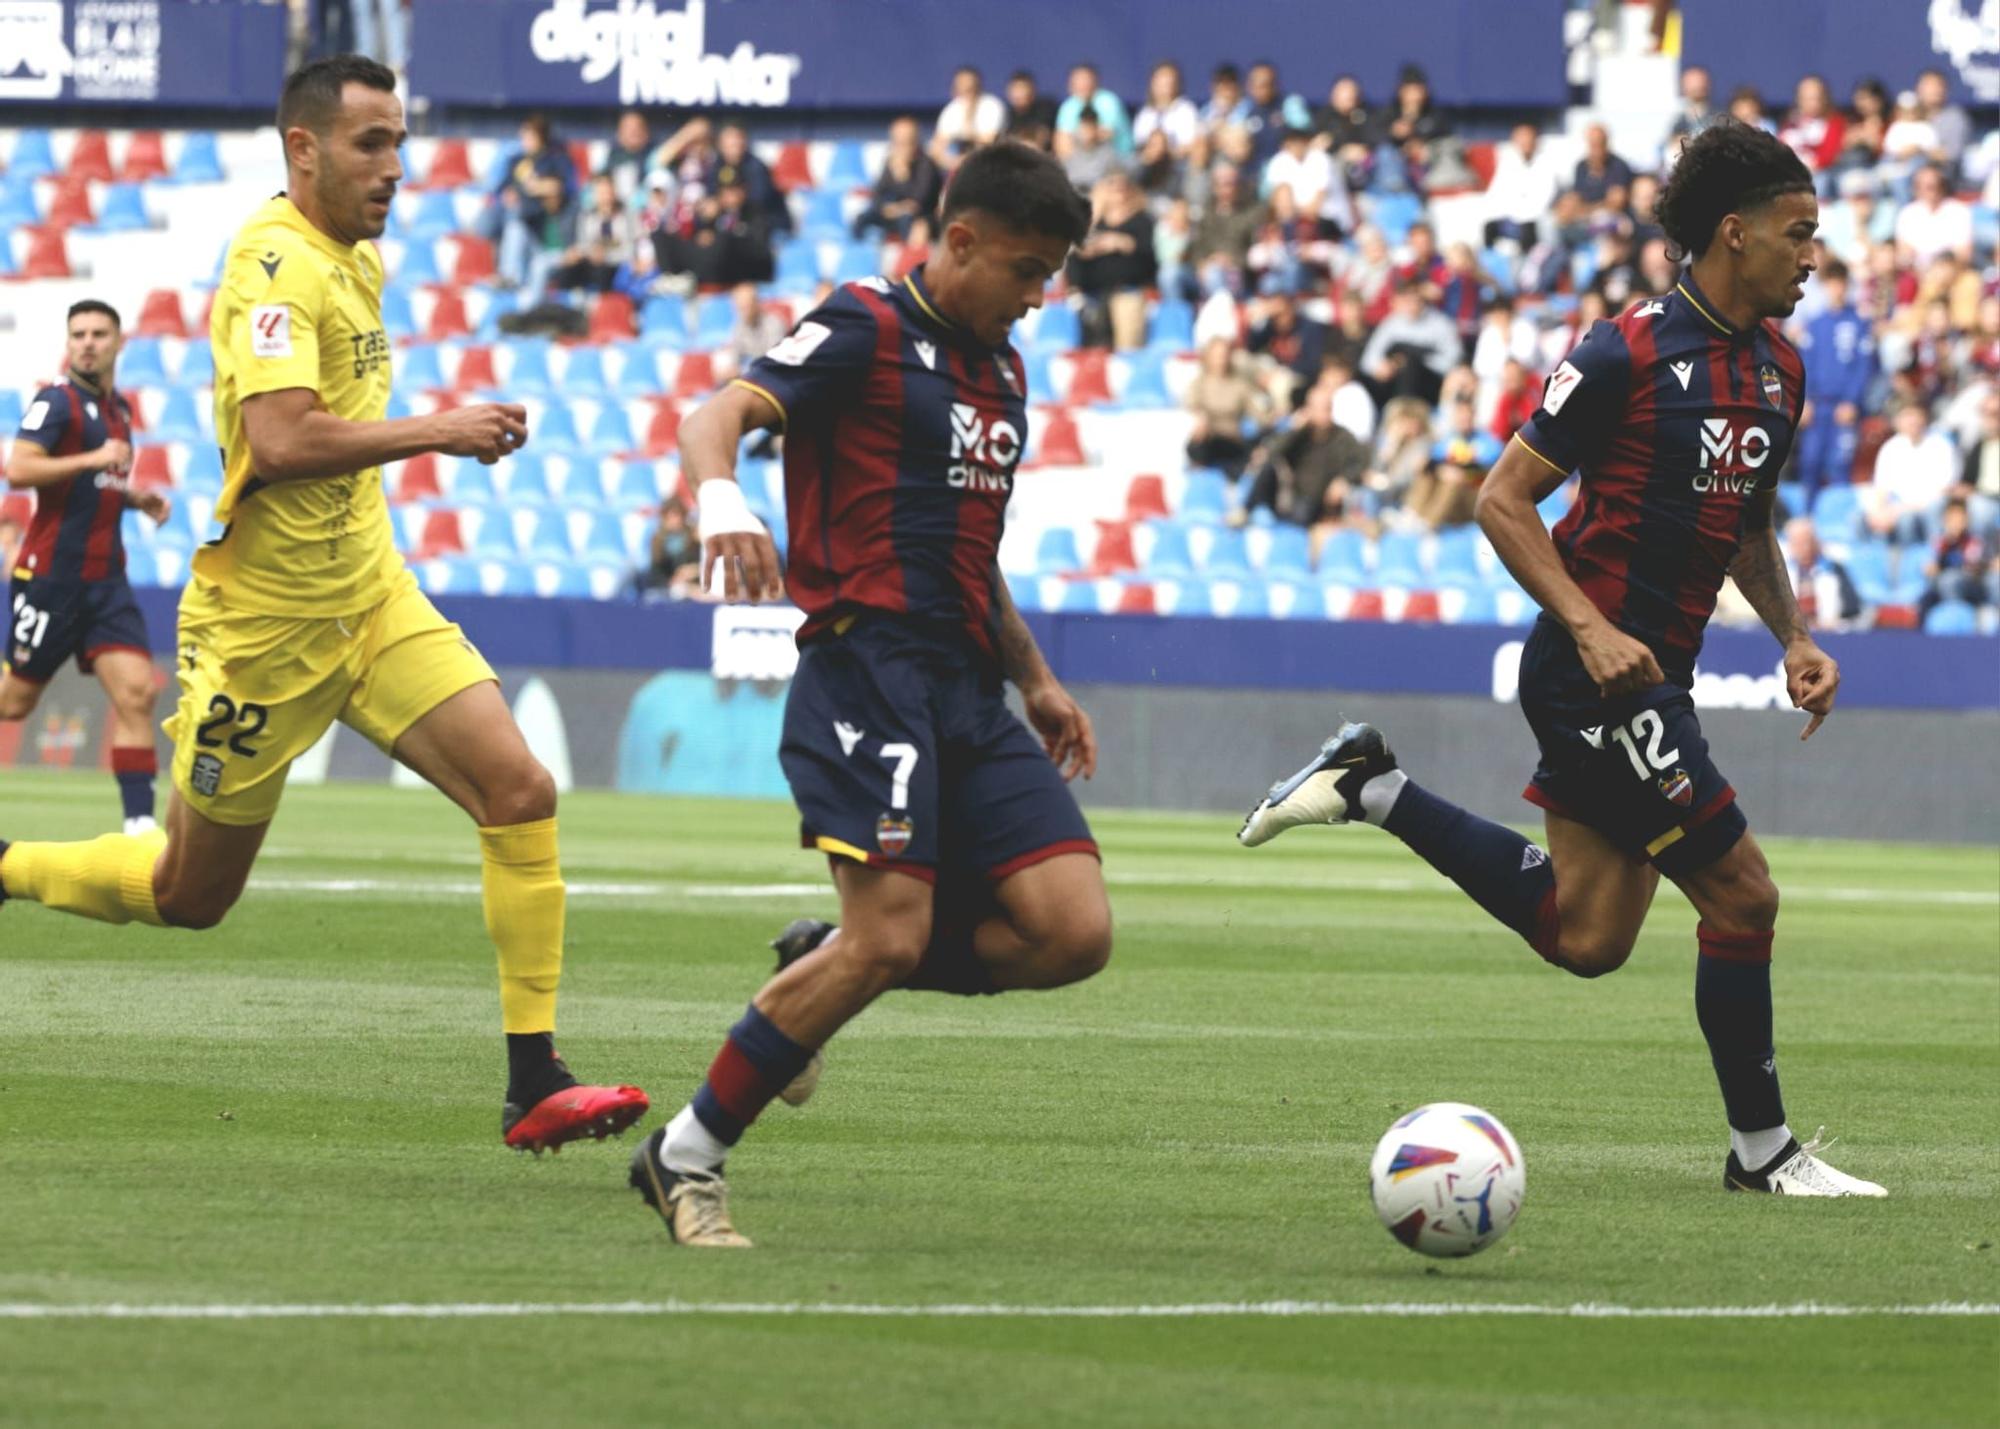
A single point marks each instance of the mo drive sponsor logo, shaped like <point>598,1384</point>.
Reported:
<point>983,453</point>
<point>660,55</point>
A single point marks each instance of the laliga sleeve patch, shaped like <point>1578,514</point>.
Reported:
<point>36,415</point>
<point>800,344</point>
<point>271,331</point>
<point>1563,381</point>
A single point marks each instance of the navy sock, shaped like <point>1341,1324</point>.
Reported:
<point>134,770</point>
<point>1503,873</point>
<point>1732,1000</point>
<point>755,1064</point>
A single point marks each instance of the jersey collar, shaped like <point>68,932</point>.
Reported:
<point>287,213</point>
<point>1704,309</point>
<point>913,285</point>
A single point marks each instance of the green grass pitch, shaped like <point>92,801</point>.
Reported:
<point>301,1108</point>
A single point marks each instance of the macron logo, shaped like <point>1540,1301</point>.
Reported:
<point>1684,371</point>
<point>928,352</point>
<point>848,735</point>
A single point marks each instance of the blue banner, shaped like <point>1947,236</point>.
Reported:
<point>141,53</point>
<point>1770,44</point>
<point>815,54</point>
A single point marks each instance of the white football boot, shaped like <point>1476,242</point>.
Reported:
<point>1798,1171</point>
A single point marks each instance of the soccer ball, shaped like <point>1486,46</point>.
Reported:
<point>1447,1179</point>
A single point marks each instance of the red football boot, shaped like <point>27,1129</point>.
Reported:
<point>570,1115</point>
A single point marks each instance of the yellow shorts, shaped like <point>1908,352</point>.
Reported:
<point>258,691</point>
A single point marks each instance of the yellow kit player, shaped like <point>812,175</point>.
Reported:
<point>302,613</point>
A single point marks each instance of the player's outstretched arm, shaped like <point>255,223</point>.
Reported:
<point>30,465</point>
<point>1506,513</point>
<point>731,536</point>
<point>1812,677</point>
<point>1065,729</point>
<point>293,439</point>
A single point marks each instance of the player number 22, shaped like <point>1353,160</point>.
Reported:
<point>223,712</point>
<point>1647,725</point>
<point>905,756</point>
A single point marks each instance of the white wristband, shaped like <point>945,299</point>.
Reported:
<point>722,509</point>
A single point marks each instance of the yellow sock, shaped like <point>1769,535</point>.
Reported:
<point>109,878</point>
<point>524,917</point>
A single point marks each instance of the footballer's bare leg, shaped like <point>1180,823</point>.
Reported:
<point>471,749</point>
<point>130,684</point>
<point>203,869</point>
<point>1602,897</point>
<point>885,925</point>
<point>1056,927</point>
<point>18,697</point>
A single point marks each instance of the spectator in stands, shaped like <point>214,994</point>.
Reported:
<point>1157,170</point>
<point>1601,179</point>
<point>1114,265</point>
<point>1291,345</point>
<point>1352,407</point>
<point>526,211</point>
<point>1933,222</point>
<point>1087,94</point>
<point>1523,191</point>
<point>1746,106</point>
<point>1956,569</point>
<point>1228,407</point>
<point>1867,124</point>
<point>631,156</point>
<point>1172,236</point>
<point>1031,115</point>
<point>1657,272</point>
<point>10,542</point>
<point>1316,468</point>
<point>1979,478</point>
<point>382,31</point>
<point>1419,262</point>
<point>1272,112</point>
<point>1643,214</point>
<point>1617,276</point>
<point>1168,111</point>
<point>1411,349</point>
<point>1504,335</point>
<point>1859,221</point>
<point>1348,130</point>
<point>1368,281</point>
<point>1413,116</point>
<point>1814,129</point>
<point>1219,252</point>
<point>1913,471</point>
<point>735,164</point>
<point>971,117</point>
<point>1517,397</point>
<point>1228,106</point>
<point>673,563</point>
<point>726,245</point>
<point>1445,496</point>
<point>1839,351</point>
<point>906,188</point>
<point>1088,156</point>
<point>1909,142</point>
<point>756,331</point>
<point>1318,184</point>
<point>1694,110</point>
<point>1948,121</point>
<point>689,155</point>
<point>1402,454</point>
<point>603,238</point>
<point>1826,594</point>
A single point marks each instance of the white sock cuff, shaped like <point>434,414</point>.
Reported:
<point>1379,795</point>
<point>1758,1149</point>
<point>690,1146</point>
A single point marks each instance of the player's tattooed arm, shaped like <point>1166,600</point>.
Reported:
<point>1065,729</point>
<point>1812,677</point>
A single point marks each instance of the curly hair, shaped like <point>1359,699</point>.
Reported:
<point>1727,167</point>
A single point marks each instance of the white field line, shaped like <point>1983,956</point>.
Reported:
<point>589,888</point>
<point>1261,1309</point>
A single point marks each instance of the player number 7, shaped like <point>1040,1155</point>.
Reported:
<point>905,756</point>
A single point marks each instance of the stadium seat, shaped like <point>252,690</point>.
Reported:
<point>1951,617</point>
<point>202,475</point>
<point>1835,512</point>
<point>526,477</point>
<point>418,266</point>
<point>178,422</point>
<point>1026,592</point>
<point>398,319</point>
<point>200,160</point>
<point>7,269</point>
<point>1113,554</point>
<point>611,432</point>
<point>1164,549</point>
<point>1341,559</point>
<point>70,206</point>
<point>140,363</point>
<point>468,482</point>
<point>1090,377</point>
<point>663,430</point>
<point>435,217</point>
<point>823,217</point>
<point>604,540</point>
<point>1242,600</point>
<point>1394,213</point>
<point>1145,498</point>
<point>792,169</point>
<point>528,367</point>
<point>1456,564</point>
<point>451,166</point>
<point>1293,601</point>
<point>448,317</point>
<point>696,377</point>
<point>1222,551</point>
<point>420,369</point>
<point>1172,327</point>
<point>1060,442</point>
<point>1058,329</point>
<point>562,580</point>
<point>493,537</point>
<point>177,531</point>
<point>1056,552</point>
<point>18,205</point>
<point>476,372</point>
<point>417,480</point>
<point>34,155</point>
<point>160,315</point>
<point>638,370</point>
<point>90,157</point>
<point>848,168</point>
<point>150,469</point>
<point>1078,598</point>
<point>1399,561</point>
<point>1419,607</point>
<point>612,318</point>
<point>1146,380</point>
<point>859,259</point>
<point>473,260</point>
<point>197,367</point>
<point>1470,605</point>
<point>584,374</point>
<point>1869,566</point>
<point>663,321</point>
<point>797,267</point>
<point>714,321</point>
<point>548,537</point>
<point>142,566</point>
<point>1184,597</point>
<point>1136,598</point>
<point>1206,496</point>
<point>1287,553</point>
<point>124,210</point>
<point>555,432</point>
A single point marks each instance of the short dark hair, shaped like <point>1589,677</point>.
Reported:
<point>312,93</point>
<point>94,305</point>
<point>1727,167</point>
<point>1020,74</point>
<point>1022,187</point>
<point>1225,74</point>
<point>972,70</point>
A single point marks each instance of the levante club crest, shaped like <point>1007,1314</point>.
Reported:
<point>1774,389</point>
<point>1678,787</point>
<point>892,834</point>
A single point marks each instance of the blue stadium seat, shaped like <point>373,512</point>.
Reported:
<point>1253,601</point>
<point>177,421</point>
<point>18,205</point>
<point>435,218</point>
<point>495,539</point>
<point>1059,330</point>
<point>1835,512</point>
<point>1056,553</point>
<point>34,156</point>
<point>1172,327</point>
<point>638,370</point>
<point>1079,598</point>
<point>1026,592</point>
<point>604,541</point>
<point>637,486</point>
<point>202,476</point>
<point>1479,608</point>
<point>10,411</point>
<point>177,531</point>
<point>1457,564</point>
<point>1341,560</point>
<point>1308,603</point>
<point>1171,555</point>
<point>399,406</point>
<point>419,264</point>
<point>1289,552</point>
<point>397,318</point>
<point>200,161</point>
<point>1951,617</point>
<point>7,266</point>
<point>123,210</point>
<point>1394,213</point>
<point>1041,386</point>
<point>1556,504</point>
<point>1206,496</point>
<point>142,567</point>
<point>797,270</point>
<point>506,578</point>
<point>1228,554</point>
<point>584,374</point>
<point>471,483</point>
<point>848,168</point>
<point>140,364</point>
<point>1399,561</point>
<point>1193,597</point>
<point>1499,267</point>
<point>663,321</point>
<point>421,370</point>
<point>611,432</point>
<point>548,540</point>
<point>714,320</point>
<point>197,363</point>
<point>1146,380</point>
<point>824,215</point>
<point>528,480</point>
<point>529,374</point>
<point>857,260</point>
<point>571,582</point>
<point>1869,567</point>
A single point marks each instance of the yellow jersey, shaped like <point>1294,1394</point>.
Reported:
<point>298,309</point>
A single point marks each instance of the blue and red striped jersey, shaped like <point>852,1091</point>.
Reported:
<point>1674,419</point>
<point>76,533</point>
<point>902,432</point>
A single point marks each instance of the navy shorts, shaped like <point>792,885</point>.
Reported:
<point>1635,768</point>
<point>53,620</point>
<point>901,753</point>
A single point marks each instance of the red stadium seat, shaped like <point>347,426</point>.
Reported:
<point>91,158</point>
<point>69,205</point>
<point>47,256</point>
<point>1367,605</point>
<point>1090,380</point>
<point>151,471</point>
<point>418,480</point>
<point>579,157</point>
<point>441,536</point>
<point>145,157</point>
<point>160,315</point>
<point>1896,617</point>
<point>612,318</point>
<point>1481,158</point>
<point>18,507</point>
<point>451,166</point>
<point>663,432</point>
<point>1136,599</point>
<point>696,377</point>
<point>475,371</point>
<point>1867,443</point>
<point>794,167</point>
<point>475,262</point>
<point>200,329</point>
<point>1422,606</point>
<point>1061,445</point>
<point>1114,549</point>
<point>448,318</point>
<point>1146,498</point>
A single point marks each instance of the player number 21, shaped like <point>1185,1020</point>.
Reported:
<point>1647,725</point>
<point>30,624</point>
